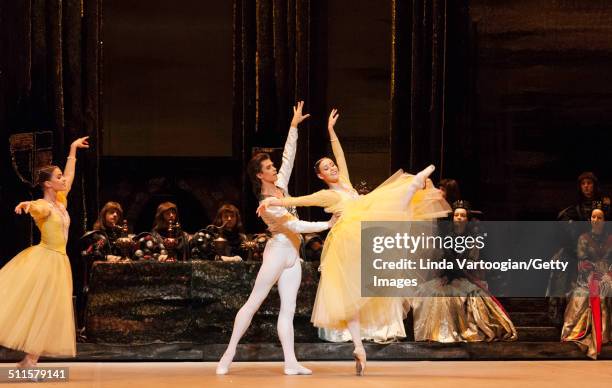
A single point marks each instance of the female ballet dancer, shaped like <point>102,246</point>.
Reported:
<point>36,314</point>
<point>281,261</point>
<point>338,303</point>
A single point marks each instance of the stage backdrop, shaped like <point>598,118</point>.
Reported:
<point>168,78</point>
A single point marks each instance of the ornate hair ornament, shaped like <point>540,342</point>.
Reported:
<point>462,204</point>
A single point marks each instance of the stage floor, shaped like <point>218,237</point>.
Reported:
<point>430,374</point>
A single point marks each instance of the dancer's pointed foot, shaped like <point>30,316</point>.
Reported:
<point>297,370</point>
<point>359,355</point>
<point>224,363</point>
<point>29,361</point>
<point>24,364</point>
<point>422,176</point>
<point>429,170</point>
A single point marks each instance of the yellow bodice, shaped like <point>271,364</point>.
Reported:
<point>53,222</point>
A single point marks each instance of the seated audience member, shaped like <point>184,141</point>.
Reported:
<point>588,192</point>
<point>99,244</point>
<point>229,222</point>
<point>167,229</point>
<point>452,193</point>
<point>588,317</point>
<point>455,306</point>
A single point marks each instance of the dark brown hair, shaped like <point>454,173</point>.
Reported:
<point>160,223</point>
<point>254,168</point>
<point>451,187</point>
<point>45,174</point>
<point>229,208</point>
<point>100,223</point>
<point>318,164</point>
<point>596,190</point>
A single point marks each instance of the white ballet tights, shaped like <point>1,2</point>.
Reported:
<point>354,327</point>
<point>280,264</point>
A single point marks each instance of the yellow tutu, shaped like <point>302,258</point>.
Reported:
<point>339,293</point>
<point>36,313</point>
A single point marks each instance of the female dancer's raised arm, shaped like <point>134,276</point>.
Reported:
<point>39,319</point>
<point>70,167</point>
<point>338,174</point>
<point>337,148</point>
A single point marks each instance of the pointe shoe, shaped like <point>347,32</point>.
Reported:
<point>427,171</point>
<point>421,177</point>
<point>27,362</point>
<point>299,370</point>
<point>360,361</point>
<point>223,365</point>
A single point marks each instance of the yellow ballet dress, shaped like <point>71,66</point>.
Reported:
<point>400,198</point>
<point>36,313</point>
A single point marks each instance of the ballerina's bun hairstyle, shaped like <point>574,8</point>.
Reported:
<point>254,168</point>
<point>318,164</point>
<point>44,174</point>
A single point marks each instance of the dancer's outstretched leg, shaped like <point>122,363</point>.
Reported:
<point>288,285</point>
<point>268,274</point>
<point>354,327</point>
<point>423,175</point>
<point>406,192</point>
<point>417,183</point>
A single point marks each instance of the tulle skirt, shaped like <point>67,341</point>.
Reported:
<point>36,312</point>
<point>339,297</point>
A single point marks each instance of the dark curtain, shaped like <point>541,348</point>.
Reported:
<point>417,83</point>
<point>281,63</point>
<point>427,81</point>
<point>49,80</point>
<point>273,69</point>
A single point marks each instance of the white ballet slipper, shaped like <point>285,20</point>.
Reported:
<point>299,370</point>
<point>224,364</point>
